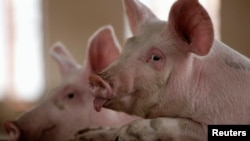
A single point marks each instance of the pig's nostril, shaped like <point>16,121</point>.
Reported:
<point>117,138</point>
<point>99,87</point>
<point>12,130</point>
<point>96,83</point>
<point>95,80</point>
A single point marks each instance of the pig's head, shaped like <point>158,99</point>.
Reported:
<point>139,80</point>
<point>69,107</point>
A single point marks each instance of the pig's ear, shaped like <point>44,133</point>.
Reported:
<point>64,59</point>
<point>137,13</point>
<point>103,49</point>
<point>192,25</point>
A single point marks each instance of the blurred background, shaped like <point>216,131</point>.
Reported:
<point>29,28</point>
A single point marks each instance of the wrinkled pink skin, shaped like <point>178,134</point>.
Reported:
<point>176,69</point>
<point>69,107</point>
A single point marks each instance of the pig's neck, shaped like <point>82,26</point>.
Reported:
<point>212,89</point>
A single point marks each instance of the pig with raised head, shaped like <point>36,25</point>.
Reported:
<point>177,70</point>
<point>69,107</point>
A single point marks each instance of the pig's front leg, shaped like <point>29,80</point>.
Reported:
<point>96,134</point>
<point>166,129</point>
<point>162,129</point>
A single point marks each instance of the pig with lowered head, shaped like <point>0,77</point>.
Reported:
<point>69,107</point>
<point>174,69</point>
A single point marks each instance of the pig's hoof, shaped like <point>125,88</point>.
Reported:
<point>143,130</point>
<point>96,134</point>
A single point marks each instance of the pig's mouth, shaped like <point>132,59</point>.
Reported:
<point>44,133</point>
<point>48,129</point>
<point>16,133</point>
<point>101,91</point>
<point>100,102</point>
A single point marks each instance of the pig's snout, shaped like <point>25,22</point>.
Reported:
<point>12,130</point>
<point>101,91</point>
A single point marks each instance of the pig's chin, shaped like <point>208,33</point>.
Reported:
<point>47,133</point>
<point>99,103</point>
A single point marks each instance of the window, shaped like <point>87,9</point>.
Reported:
<point>21,58</point>
<point>161,9</point>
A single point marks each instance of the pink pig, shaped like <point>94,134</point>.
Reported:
<point>175,70</point>
<point>69,107</point>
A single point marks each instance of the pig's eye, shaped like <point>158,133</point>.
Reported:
<point>155,58</point>
<point>71,95</point>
